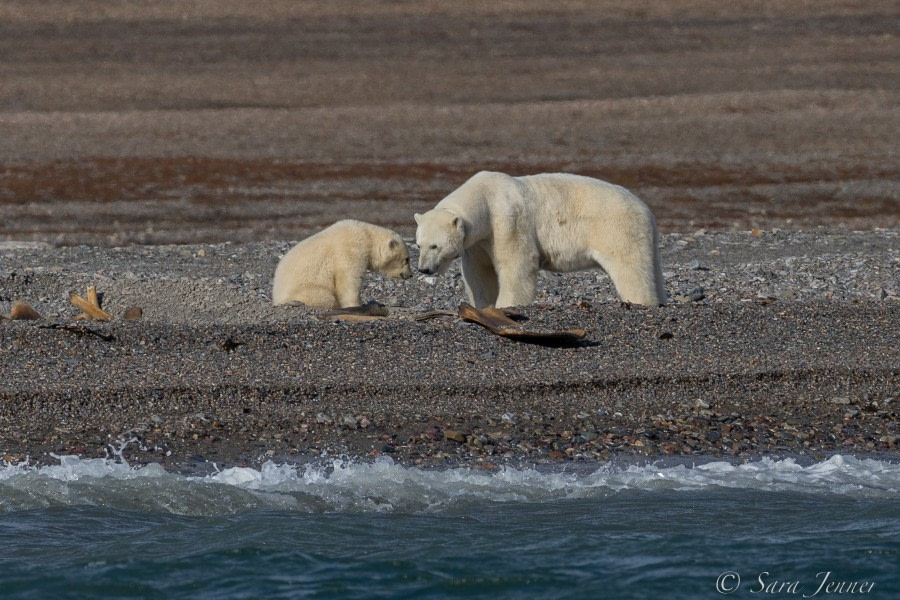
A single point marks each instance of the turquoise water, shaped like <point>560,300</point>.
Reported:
<point>101,529</point>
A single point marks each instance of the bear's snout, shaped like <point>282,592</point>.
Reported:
<point>428,267</point>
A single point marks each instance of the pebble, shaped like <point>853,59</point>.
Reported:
<point>455,436</point>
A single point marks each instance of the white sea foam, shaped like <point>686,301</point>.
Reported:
<point>382,485</point>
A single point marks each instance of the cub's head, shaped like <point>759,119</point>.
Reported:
<point>439,236</point>
<point>393,259</point>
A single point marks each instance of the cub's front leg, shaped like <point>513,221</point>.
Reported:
<point>347,286</point>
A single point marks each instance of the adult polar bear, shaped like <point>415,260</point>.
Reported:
<point>506,228</point>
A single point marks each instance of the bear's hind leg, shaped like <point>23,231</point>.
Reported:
<point>480,278</point>
<point>634,277</point>
<point>316,297</point>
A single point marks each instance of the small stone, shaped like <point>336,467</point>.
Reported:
<point>364,423</point>
<point>840,400</point>
<point>694,265</point>
<point>133,313</point>
<point>701,403</point>
<point>22,311</point>
<point>322,418</point>
<point>785,293</point>
<point>697,294</point>
<point>201,252</point>
<point>509,418</point>
<point>454,436</point>
<point>713,436</point>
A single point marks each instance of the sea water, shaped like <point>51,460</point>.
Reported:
<point>352,529</point>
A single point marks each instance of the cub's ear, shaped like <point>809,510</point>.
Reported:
<point>393,244</point>
<point>418,218</point>
<point>454,222</point>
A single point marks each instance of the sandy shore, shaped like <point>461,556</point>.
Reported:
<point>169,153</point>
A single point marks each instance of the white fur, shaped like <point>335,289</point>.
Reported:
<point>507,228</point>
<point>326,269</point>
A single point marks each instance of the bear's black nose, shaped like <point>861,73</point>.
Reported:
<point>426,271</point>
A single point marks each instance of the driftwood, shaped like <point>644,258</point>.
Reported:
<point>372,311</point>
<point>90,311</point>
<point>92,296</point>
<point>433,314</point>
<point>499,322</point>
<point>90,308</point>
<point>496,321</point>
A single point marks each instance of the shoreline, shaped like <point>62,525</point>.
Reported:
<point>746,372</point>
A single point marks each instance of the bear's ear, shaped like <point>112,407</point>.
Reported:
<point>392,244</point>
<point>418,218</point>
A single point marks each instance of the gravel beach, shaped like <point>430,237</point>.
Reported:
<point>169,153</point>
<point>773,343</point>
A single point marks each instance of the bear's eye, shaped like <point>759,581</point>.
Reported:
<point>433,246</point>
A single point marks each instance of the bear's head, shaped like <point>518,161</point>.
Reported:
<point>439,236</point>
<point>392,260</point>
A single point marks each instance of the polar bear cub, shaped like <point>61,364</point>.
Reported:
<point>326,269</point>
<point>507,228</point>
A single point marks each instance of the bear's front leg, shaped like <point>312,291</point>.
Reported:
<point>480,277</point>
<point>348,285</point>
<point>518,282</point>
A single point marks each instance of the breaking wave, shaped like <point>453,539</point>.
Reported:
<point>342,485</point>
